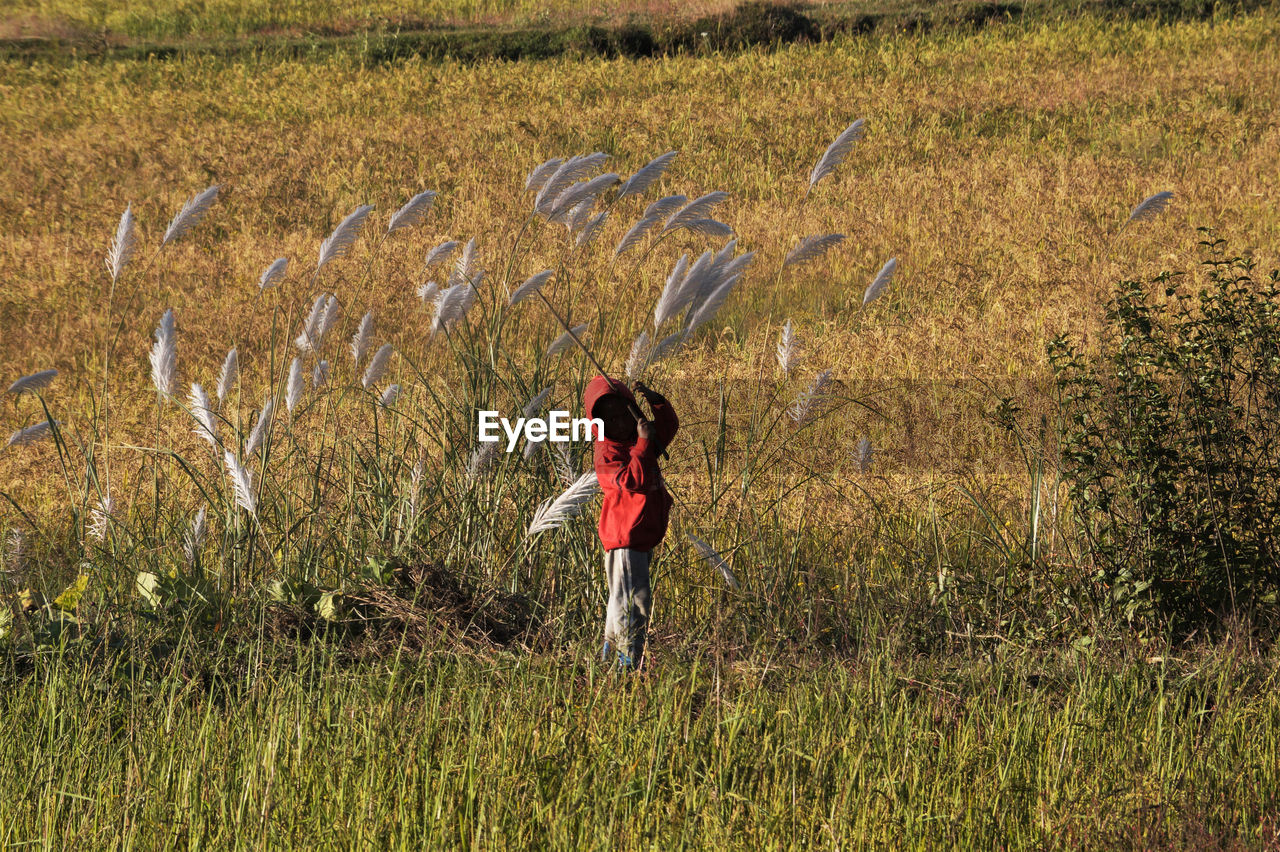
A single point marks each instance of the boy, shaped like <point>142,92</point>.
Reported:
<point>636,505</point>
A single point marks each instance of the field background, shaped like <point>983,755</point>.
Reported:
<point>999,165</point>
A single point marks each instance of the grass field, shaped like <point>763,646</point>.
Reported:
<point>874,684</point>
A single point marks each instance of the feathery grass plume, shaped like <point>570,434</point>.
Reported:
<point>589,231</point>
<point>670,302</point>
<point>363,337</point>
<point>29,434</point>
<point>565,340</point>
<point>164,356</point>
<point>836,153</point>
<point>273,274</point>
<point>579,215</point>
<point>531,447</point>
<point>320,374</point>
<point>638,359</point>
<point>464,266</point>
<point>583,191</point>
<point>1151,207</point>
<point>377,366</point>
<point>227,378</point>
<point>15,557</point>
<point>709,555</point>
<point>646,177</point>
<point>666,346</point>
<point>482,459</point>
<point>206,421</point>
<point>709,228</point>
<point>812,248</point>
<point>389,396</point>
<point>193,539</point>
<point>862,457</point>
<point>810,402</point>
<point>306,341</point>
<point>882,279</point>
<point>190,215</point>
<point>261,428</point>
<point>553,513</point>
<point>241,482</point>
<point>531,285</point>
<point>665,207</point>
<point>337,243</point>
<point>637,233</point>
<point>100,517</point>
<point>33,383</point>
<point>534,405</point>
<point>428,291</point>
<point>570,171</point>
<point>721,279</point>
<point>412,212</point>
<point>562,460</point>
<point>694,211</point>
<point>293,390</point>
<point>439,254</point>
<point>788,349</point>
<point>452,305</point>
<point>123,246</point>
<point>327,319</point>
<point>540,175</point>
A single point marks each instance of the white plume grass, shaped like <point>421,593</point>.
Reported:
<point>29,434</point>
<point>193,539</point>
<point>811,401</point>
<point>836,153</point>
<point>531,285</point>
<point>338,242</point>
<point>261,428</point>
<point>273,274</point>
<point>164,356</point>
<point>241,482</point>
<point>862,457</point>
<point>413,212</point>
<point>788,349</point>
<point>206,426</point>
<point>695,211</point>
<point>566,340</point>
<point>638,359</point>
<point>389,396</point>
<point>1151,207</point>
<point>881,281</point>
<point>646,177</point>
<point>362,339</point>
<point>227,378</point>
<point>33,383</point>
<point>555,512</point>
<point>124,244</point>
<point>812,248</point>
<point>539,176</point>
<point>293,390</point>
<point>715,560</point>
<point>190,215</point>
<point>440,254</point>
<point>377,366</point>
<point>590,230</point>
<point>320,374</point>
<point>100,516</point>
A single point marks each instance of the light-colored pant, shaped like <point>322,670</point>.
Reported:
<point>627,615</point>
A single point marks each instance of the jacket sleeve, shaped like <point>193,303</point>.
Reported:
<point>636,472</point>
<point>665,422</point>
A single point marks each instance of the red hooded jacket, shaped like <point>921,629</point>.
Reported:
<point>636,502</point>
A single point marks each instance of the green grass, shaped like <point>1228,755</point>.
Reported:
<point>1068,751</point>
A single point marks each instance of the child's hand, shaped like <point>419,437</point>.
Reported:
<point>644,390</point>
<point>644,429</point>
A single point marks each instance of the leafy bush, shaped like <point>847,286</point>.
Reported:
<point>1171,443</point>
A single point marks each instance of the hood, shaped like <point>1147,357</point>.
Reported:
<point>600,386</point>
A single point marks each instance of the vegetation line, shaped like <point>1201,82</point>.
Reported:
<point>753,24</point>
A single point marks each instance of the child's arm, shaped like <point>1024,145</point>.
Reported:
<point>637,472</point>
<point>665,421</point>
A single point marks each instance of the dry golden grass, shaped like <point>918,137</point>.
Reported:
<point>998,168</point>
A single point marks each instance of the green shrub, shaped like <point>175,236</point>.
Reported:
<point>1171,443</point>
